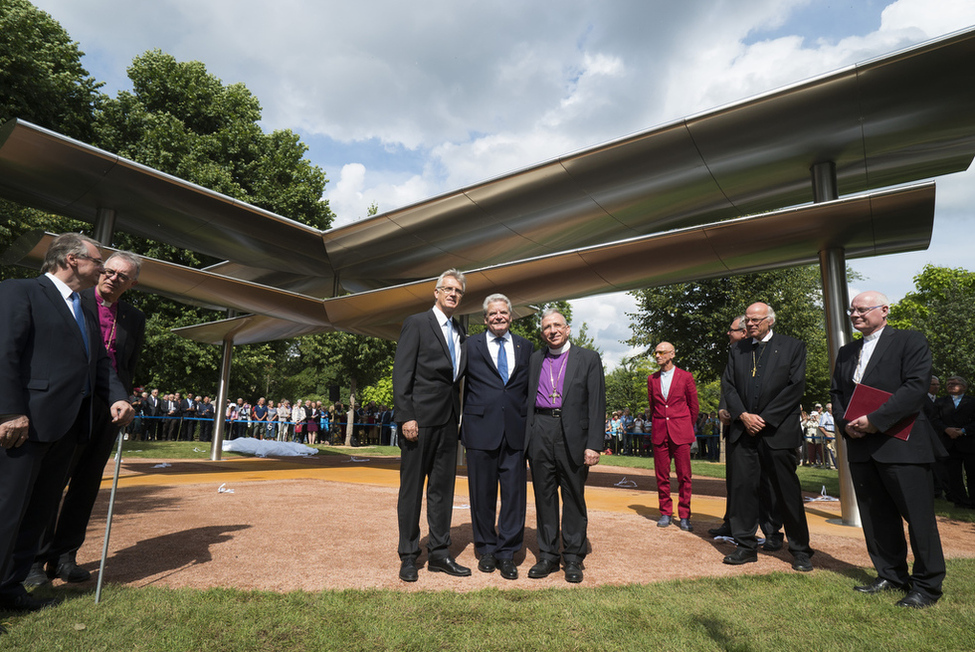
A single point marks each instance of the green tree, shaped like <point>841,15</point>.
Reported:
<point>694,317</point>
<point>182,120</point>
<point>41,81</point>
<point>347,360</point>
<point>626,385</point>
<point>41,76</point>
<point>942,307</point>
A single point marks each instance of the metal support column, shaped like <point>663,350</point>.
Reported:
<point>832,267</point>
<point>223,390</point>
<point>104,229</point>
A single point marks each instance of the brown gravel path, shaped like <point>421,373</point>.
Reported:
<point>330,523</point>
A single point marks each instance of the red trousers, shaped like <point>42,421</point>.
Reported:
<point>681,454</point>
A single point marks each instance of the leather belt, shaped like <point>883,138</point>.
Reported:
<point>552,412</point>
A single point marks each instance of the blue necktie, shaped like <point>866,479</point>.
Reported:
<point>79,318</point>
<point>502,361</point>
<point>450,345</point>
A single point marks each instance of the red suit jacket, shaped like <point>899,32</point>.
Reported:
<point>674,417</point>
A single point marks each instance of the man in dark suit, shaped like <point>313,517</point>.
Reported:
<point>51,362</point>
<point>187,409</point>
<point>122,329</point>
<point>427,368</point>
<point>955,423</point>
<point>892,477</point>
<point>154,410</point>
<point>171,411</point>
<point>205,411</point>
<point>763,384</point>
<point>566,405</point>
<point>493,431</point>
<point>673,403</point>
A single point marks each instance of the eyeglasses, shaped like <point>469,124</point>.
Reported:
<point>734,330</point>
<point>98,261</point>
<point>661,352</point>
<point>753,320</point>
<point>861,311</point>
<point>447,290</point>
<point>114,273</point>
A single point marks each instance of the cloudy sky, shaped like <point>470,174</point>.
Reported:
<point>402,101</point>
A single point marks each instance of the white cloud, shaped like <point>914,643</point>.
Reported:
<point>474,90</point>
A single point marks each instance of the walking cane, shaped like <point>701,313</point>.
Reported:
<point>108,523</point>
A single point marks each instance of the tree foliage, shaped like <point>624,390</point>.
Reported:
<point>694,317</point>
<point>942,307</point>
<point>41,76</point>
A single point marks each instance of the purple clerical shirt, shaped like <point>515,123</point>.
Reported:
<point>108,323</point>
<point>552,378</point>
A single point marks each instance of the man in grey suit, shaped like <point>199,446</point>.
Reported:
<point>566,406</point>
<point>892,477</point>
<point>762,386</point>
<point>493,432</point>
<point>51,362</point>
<point>427,369</point>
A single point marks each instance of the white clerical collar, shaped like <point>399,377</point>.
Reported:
<point>874,335</point>
<point>559,351</point>
<point>767,337</point>
<point>102,301</point>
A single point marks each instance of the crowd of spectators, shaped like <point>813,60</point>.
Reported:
<point>189,417</point>
<point>628,433</point>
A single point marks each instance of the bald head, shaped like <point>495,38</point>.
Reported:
<point>868,311</point>
<point>664,354</point>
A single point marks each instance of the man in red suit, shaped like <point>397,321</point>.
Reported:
<point>673,406</point>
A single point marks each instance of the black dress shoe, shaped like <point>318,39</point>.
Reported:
<point>69,571</point>
<point>573,572</point>
<point>741,556</point>
<point>487,564</point>
<point>508,569</point>
<point>915,600</point>
<point>685,525</point>
<point>801,562</point>
<point>722,531</point>
<point>407,570</point>
<point>36,577</point>
<point>449,566</point>
<point>543,568</point>
<point>772,545</point>
<point>26,602</point>
<point>879,585</point>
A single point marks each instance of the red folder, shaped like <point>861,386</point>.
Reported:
<point>867,399</point>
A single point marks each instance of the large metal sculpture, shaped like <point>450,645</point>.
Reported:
<point>665,205</point>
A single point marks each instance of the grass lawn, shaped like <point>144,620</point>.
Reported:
<point>782,611</point>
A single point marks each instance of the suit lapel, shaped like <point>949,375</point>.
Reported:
<point>878,352</point>
<point>54,296</point>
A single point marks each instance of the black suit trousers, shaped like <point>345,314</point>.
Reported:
<point>553,471</point>
<point>886,493</point>
<point>768,514</point>
<point>486,470</point>
<point>752,458</point>
<point>431,458</point>
<point>31,479</point>
<point>67,530</point>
